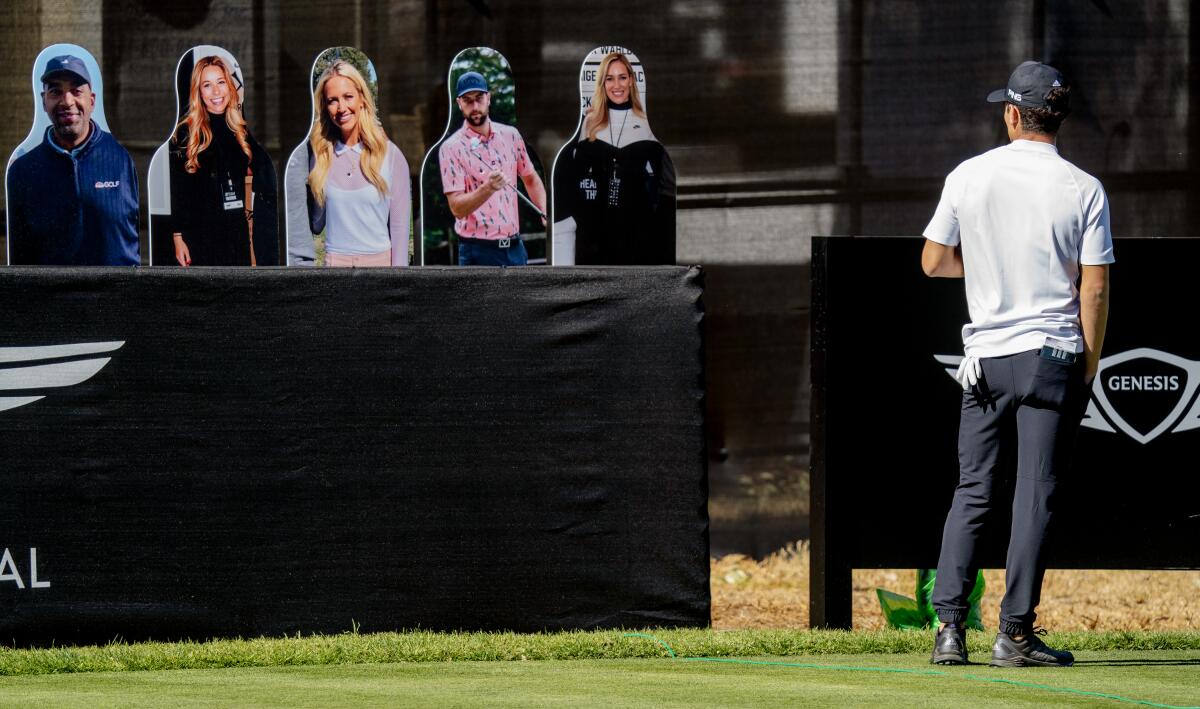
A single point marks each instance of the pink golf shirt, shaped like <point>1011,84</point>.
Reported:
<point>466,158</point>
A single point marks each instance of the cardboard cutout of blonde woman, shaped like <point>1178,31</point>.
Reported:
<point>347,187</point>
<point>71,189</point>
<point>212,185</point>
<point>483,197</point>
<point>614,183</point>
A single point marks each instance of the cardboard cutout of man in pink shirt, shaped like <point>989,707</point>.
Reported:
<point>480,164</point>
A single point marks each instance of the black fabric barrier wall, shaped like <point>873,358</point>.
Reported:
<point>279,451</point>
<point>885,419</point>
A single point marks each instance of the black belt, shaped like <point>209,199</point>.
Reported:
<point>492,243</point>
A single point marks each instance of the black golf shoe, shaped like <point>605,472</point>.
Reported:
<point>950,646</point>
<point>1029,651</point>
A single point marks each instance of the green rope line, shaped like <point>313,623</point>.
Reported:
<point>926,673</point>
<point>651,637</point>
<point>1048,688</point>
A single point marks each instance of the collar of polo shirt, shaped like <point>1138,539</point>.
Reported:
<point>484,138</point>
<point>1037,145</point>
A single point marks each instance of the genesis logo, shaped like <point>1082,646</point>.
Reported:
<point>38,369</point>
<point>1142,393</point>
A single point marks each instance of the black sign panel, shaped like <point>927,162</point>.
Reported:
<point>218,452</point>
<point>886,340</point>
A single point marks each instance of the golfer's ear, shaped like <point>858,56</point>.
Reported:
<point>1012,116</point>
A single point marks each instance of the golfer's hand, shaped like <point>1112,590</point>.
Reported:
<point>495,181</point>
<point>182,254</point>
<point>969,372</point>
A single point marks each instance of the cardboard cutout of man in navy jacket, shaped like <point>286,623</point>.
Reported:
<point>72,200</point>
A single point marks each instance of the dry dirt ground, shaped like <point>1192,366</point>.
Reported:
<point>773,593</point>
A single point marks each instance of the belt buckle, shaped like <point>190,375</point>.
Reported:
<point>504,243</point>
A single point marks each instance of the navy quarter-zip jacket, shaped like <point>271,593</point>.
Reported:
<point>77,208</point>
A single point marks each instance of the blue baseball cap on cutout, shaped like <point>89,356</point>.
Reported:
<point>470,81</point>
<point>67,64</point>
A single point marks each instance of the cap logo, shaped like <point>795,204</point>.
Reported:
<point>1056,83</point>
<point>1014,95</point>
<point>66,62</point>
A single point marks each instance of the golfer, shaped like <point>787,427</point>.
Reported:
<point>1029,232</point>
<point>480,164</point>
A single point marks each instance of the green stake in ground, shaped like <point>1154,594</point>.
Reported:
<point>905,613</point>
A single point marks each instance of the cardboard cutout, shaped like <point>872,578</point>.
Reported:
<point>363,214</point>
<point>212,188</point>
<point>614,183</point>
<point>80,210</point>
<point>482,168</point>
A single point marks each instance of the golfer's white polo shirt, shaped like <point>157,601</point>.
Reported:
<point>1027,219</point>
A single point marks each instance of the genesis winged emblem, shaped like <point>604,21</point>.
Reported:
<point>49,367</point>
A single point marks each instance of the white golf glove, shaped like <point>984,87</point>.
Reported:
<point>969,372</point>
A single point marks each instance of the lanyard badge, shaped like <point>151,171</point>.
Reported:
<point>231,198</point>
<point>614,186</point>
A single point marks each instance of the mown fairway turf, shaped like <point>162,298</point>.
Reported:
<point>1154,678</point>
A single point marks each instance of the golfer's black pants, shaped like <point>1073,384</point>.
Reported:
<point>1035,404</point>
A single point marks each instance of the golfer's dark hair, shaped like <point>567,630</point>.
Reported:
<point>1047,120</point>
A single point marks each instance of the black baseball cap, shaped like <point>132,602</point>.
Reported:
<point>470,81</point>
<point>66,64</point>
<point>1028,85</point>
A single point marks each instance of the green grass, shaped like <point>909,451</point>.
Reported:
<point>418,646</point>
<point>1110,678</point>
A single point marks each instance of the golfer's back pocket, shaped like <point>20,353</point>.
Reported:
<point>1050,385</point>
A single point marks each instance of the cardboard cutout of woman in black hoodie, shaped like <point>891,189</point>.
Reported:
<point>614,183</point>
